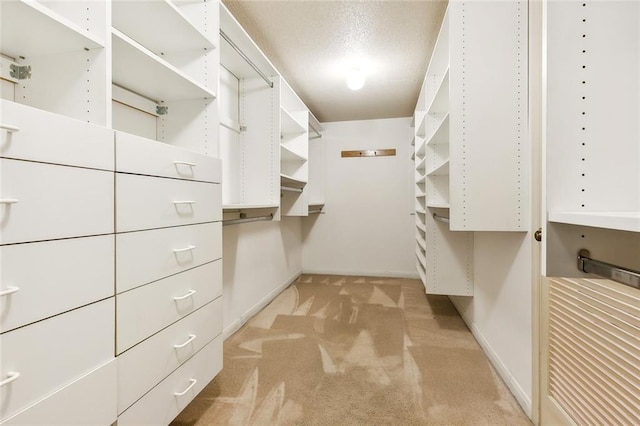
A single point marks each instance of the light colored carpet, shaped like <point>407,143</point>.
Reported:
<point>336,350</point>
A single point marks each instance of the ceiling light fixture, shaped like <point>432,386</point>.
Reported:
<point>355,79</point>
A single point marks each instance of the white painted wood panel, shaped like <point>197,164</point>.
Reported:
<point>147,256</point>
<point>144,202</point>
<point>53,138</point>
<point>146,310</point>
<point>147,364</point>
<point>164,402</point>
<point>53,277</point>
<point>97,391</point>
<point>135,154</point>
<point>52,353</point>
<point>53,201</point>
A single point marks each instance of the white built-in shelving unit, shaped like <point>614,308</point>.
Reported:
<point>592,155</point>
<point>317,170</point>
<point>470,152</point>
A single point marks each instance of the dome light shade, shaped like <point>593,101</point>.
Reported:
<point>355,79</point>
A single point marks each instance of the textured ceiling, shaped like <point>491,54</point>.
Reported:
<point>314,44</point>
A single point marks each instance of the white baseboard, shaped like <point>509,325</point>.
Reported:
<point>385,274</point>
<point>509,380</point>
<point>235,325</point>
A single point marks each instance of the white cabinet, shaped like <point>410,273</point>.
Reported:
<point>47,278</point>
<point>45,356</point>
<point>471,155</point>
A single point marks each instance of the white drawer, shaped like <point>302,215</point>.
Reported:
<point>147,364</point>
<point>146,310</point>
<point>146,256</point>
<point>44,201</point>
<point>53,277</point>
<point>135,154</point>
<point>90,400</point>
<point>52,138</point>
<point>164,402</point>
<point>144,202</point>
<point>52,353</point>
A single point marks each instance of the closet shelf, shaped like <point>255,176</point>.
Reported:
<point>421,129</point>
<point>619,220</point>
<point>288,123</point>
<point>421,242</point>
<point>421,263</point>
<point>441,169</point>
<point>421,226</point>
<point>441,135</point>
<point>141,71</point>
<point>291,182</point>
<point>32,29</point>
<point>421,211</point>
<point>437,205</point>
<point>249,206</point>
<point>287,154</point>
<point>421,165</point>
<point>440,103</point>
<point>165,29</point>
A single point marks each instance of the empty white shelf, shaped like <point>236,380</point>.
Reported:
<point>421,242</point>
<point>249,206</point>
<point>289,125</point>
<point>141,71</point>
<point>622,221</point>
<point>291,182</point>
<point>441,169</point>
<point>32,29</point>
<point>441,135</point>
<point>287,154</point>
<point>421,127</point>
<point>159,26</point>
<point>437,205</point>
<point>440,103</point>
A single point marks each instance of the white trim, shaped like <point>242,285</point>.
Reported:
<point>235,325</point>
<point>496,362</point>
<point>381,274</point>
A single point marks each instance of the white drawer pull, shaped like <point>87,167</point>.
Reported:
<point>189,340</point>
<point>192,384</point>
<point>183,249</point>
<point>8,291</point>
<point>189,294</point>
<point>184,202</point>
<point>8,200</point>
<point>12,375</point>
<point>186,163</point>
<point>9,128</point>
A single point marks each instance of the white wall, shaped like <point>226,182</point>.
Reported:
<point>499,313</point>
<point>260,260</point>
<point>368,228</point>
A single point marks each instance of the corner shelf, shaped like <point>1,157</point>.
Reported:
<point>622,221</point>
<point>31,29</point>
<point>287,154</point>
<point>291,182</point>
<point>141,71</point>
<point>438,205</point>
<point>169,30</point>
<point>440,103</point>
<point>441,169</point>
<point>288,123</point>
<point>441,134</point>
<point>249,206</point>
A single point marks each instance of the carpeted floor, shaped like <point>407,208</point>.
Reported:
<point>335,350</point>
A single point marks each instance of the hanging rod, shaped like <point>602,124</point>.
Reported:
<point>246,58</point>
<point>441,218</point>
<point>616,273</point>
<point>247,220</point>
<point>290,189</point>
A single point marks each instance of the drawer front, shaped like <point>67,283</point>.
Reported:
<point>138,155</point>
<point>90,400</point>
<point>165,252</point>
<point>44,201</point>
<point>52,138</point>
<point>144,202</point>
<point>147,364</point>
<point>52,353</point>
<point>164,402</point>
<point>146,310</point>
<point>51,277</point>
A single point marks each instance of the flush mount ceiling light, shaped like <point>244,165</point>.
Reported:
<point>355,79</point>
